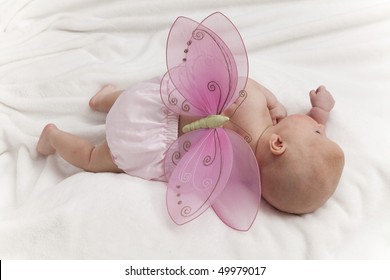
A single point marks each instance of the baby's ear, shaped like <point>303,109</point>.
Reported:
<point>277,145</point>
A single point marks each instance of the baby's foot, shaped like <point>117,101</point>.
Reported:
<point>44,147</point>
<point>96,101</point>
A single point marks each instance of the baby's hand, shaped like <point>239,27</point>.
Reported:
<point>322,98</point>
<point>278,113</point>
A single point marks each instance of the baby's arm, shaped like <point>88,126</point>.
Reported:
<point>322,103</point>
<point>276,109</point>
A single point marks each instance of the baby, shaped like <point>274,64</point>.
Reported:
<point>300,167</point>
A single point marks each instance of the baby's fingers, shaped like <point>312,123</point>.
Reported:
<point>313,95</point>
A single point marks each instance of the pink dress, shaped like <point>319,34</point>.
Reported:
<point>140,130</point>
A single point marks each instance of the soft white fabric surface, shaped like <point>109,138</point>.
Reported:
<point>54,55</point>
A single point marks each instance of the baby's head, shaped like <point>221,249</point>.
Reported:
<point>300,166</point>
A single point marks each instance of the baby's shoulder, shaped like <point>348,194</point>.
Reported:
<point>255,93</point>
<point>254,87</point>
<point>251,101</point>
<point>249,115</point>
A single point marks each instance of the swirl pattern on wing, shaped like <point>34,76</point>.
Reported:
<point>203,57</point>
<point>200,176</point>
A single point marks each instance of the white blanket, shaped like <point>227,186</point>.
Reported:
<point>54,55</point>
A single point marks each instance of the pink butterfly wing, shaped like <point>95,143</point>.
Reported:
<point>206,71</point>
<point>203,160</point>
<point>232,45</point>
<point>238,204</point>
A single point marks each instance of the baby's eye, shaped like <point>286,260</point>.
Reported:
<point>317,131</point>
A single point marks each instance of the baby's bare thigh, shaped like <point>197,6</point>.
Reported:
<point>101,160</point>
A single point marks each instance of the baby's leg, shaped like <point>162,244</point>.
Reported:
<point>103,100</point>
<point>75,150</point>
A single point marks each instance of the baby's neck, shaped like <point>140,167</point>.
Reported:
<point>262,144</point>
